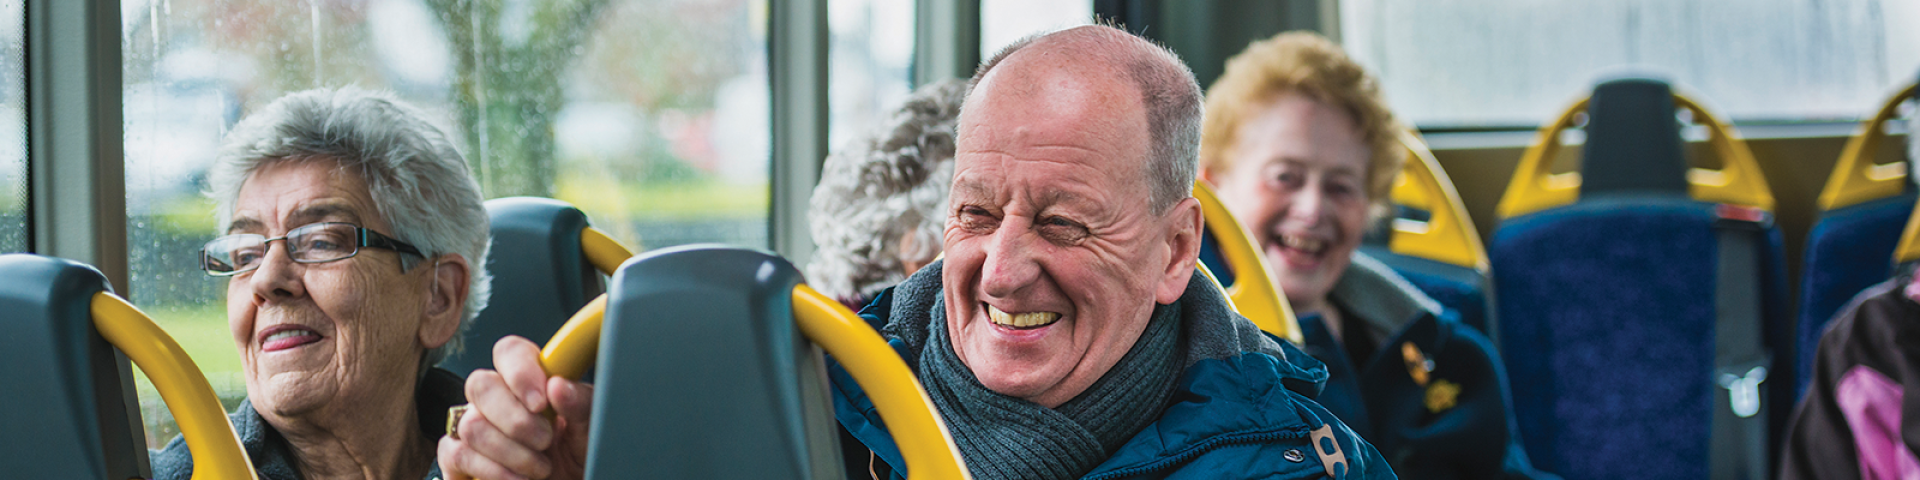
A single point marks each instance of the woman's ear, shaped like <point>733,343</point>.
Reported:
<point>446,295</point>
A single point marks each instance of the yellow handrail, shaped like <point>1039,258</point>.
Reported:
<point>1909,248</point>
<point>1855,177</point>
<point>1448,235</point>
<point>1256,289</point>
<point>1740,182</point>
<point>572,349</point>
<point>602,250</point>
<point>209,436</point>
<point>902,403</point>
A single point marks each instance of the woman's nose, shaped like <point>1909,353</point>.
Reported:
<point>278,276</point>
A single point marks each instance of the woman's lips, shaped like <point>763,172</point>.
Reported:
<point>283,337</point>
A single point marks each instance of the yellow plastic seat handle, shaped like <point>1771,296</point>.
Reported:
<point>1448,235</point>
<point>1739,182</point>
<point>1256,289</point>
<point>203,423</point>
<point>1855,177</point>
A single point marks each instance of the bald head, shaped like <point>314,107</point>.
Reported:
<point>1159,84</point>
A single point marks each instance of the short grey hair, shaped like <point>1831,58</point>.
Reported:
<point>419,183</point>
<point>1168,92</point>
<point>886,185</point>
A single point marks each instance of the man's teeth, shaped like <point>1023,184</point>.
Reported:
<point>1021,320</point>
<point>287,334</point>
<point>1304,244</point>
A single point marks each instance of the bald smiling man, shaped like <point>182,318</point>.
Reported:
<point>1066,334</point>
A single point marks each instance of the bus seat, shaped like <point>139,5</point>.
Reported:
<point>71,410</point>
<point>1230,259</point>
<point>1612,283</point>
<point>1438,252</point>
<point>1863,207</point>
<point>719,337</point>
<point>541,276</point>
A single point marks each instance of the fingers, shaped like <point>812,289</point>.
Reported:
<point>518,361</point>
<point>496,407</point>
<point>573,401</point>
<point>458,462</point>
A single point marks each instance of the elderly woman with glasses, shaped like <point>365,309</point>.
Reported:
<point>353,243</point>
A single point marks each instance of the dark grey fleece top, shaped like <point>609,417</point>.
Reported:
<point>273,458</point>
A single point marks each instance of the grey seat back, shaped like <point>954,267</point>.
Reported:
<point>70,409</point>
<point>703,374</point>
<point>540,277</point>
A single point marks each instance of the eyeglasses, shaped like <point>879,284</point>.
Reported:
<point>312,243</point>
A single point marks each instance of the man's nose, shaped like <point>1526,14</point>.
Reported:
<point>278,277</point>
<point>1010,265</point>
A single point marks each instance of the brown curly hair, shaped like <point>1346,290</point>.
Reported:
<point>1307,64</point>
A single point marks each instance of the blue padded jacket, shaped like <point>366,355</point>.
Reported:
<point>1245,416</point>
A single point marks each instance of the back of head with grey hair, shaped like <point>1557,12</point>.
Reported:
<point>1168,92</point>
<point>888,185</point>
<point>419,183</point>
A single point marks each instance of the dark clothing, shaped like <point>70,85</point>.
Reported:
<point>1241,407</point>
<point>1432,396</point>
<point>1860,417</point>
<point>273,458</point>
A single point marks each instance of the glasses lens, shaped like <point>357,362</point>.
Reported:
<point>233,253</point>
<point>322,242</point>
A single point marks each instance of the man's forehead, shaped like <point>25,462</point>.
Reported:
<point>324,209</point>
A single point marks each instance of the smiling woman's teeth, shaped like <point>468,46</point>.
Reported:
<point>1304,244</point>
<point>287,334</point>
<point>1022,320</point>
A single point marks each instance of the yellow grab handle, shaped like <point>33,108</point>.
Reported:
<point>602,250</point>
<point>916,426</point>
<point>1534,187</point>
<point>1909,248</point>
<point>573,348</point>
<point>203,424</point>
<point>1256,289</point>
<point>1448,235</point>
<point>1855,177</point>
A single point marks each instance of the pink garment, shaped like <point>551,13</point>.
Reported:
<point>1871,403</point>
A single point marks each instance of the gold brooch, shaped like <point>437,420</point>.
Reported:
<point>1418,365</point>
<point>1442,395</point>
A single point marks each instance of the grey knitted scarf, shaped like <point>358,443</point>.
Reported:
<point>1004,437</point>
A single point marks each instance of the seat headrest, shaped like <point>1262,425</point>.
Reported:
<point>1633,140</point>
<point>70,409</point>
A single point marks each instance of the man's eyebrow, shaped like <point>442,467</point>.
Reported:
<point>971,188</point>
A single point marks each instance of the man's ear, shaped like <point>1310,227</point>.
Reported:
<point>446,296</point>
<point>1186,225</point>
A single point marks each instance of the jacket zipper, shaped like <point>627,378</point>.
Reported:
<point>1204,447</point>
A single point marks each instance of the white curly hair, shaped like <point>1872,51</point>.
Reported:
<point>891,184</point>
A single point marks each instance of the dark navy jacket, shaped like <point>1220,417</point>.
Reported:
<point>1248,416</point>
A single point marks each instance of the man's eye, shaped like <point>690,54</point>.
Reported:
<point>1062,230</point>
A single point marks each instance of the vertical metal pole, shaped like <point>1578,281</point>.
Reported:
<point>74,149</point>
<point>797,51</point>
<point>946,40</point>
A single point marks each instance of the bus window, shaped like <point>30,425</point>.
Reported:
<point>13,128</point>
<point>1004,21</point>
<point>650,115</point>
<point>870,64</point>
<point>1515,64</point>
